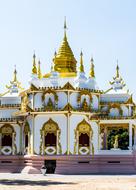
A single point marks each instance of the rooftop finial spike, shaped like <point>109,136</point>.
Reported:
<point>92,74</point>
<point>117,70</point>
<point>65,27</point>
<point>39,70</point>
<point>81,68</point>
<point>15,74</point>
<point>34,69</point>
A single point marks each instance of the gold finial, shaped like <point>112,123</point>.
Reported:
<point>81,68</point>
<point>65,28</point>
<point>117,70</point>
<point>39,70</point>
<point>15,75</point>
<point>92,74</point>
<point>34,69</point>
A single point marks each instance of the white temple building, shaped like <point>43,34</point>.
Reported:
<point>63,121</point>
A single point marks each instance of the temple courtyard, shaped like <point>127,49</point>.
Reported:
<point>67,182</point>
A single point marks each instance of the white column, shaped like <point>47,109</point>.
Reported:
<point>32,136</point>
<point>130,136</point>
<point>29,142</point>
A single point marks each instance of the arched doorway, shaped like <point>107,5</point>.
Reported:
<point>27,139</point>
<point>50,138</point>
<point>7,134</point>
<point>83,139</point>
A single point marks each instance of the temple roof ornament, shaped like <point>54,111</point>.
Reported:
<point>34,69</point>
<point>92,74</point>
<point>39,70</point>
<point>91,82</point>
<point>81,68</point>
<point>117,84</point>
<point>81,78</point>
<point>15,85</point>
<point>64,60</point>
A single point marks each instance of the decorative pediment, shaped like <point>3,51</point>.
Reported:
<point>130,100</point>
<point>68,107</point>
<point>68,86</point>
<point>84,92</point>
<point>50,91</point>
<point>33,87</point>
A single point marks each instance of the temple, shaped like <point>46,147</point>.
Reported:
<point>65,122</point>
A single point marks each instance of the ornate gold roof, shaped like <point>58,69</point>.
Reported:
<point>64,60</point>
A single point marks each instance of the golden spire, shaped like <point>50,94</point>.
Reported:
<point>92,74</point>
<point>39,70</point>
<point>34,69</point>
<point>15,75</point>
<point>81,68</point>
<point>117,70</point>
<point>64,60</point>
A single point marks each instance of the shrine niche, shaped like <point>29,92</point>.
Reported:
<point>7,143</point>
<point>83,139</point>
<point>50,138</point>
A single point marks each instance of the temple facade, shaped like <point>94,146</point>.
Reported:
<point>65,122</point>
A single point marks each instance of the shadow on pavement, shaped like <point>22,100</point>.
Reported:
<point>32,183</point>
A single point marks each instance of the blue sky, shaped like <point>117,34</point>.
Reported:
<point>105,29</point>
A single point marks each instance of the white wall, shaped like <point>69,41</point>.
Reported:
<point>61,120</point>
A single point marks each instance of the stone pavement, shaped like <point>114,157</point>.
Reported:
<point>66,182</point>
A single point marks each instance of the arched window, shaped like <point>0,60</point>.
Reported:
<point>50,135</point>
<point>83,138</point>
<point>6,134</point>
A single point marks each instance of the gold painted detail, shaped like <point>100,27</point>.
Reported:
<point>82,128</point>
<point>50,127</point>
<point>34,69</point>
<point>39,70</point>
<point>81,68</point>
<point>92,74</point>
<point>68,86</point>
<point>64,60</point>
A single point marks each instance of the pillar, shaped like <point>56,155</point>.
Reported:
<point>32,136</point>
<point>13,143</point>
<point>130,136</point>
<point>29,149</point>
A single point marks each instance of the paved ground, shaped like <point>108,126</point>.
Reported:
<point>67,182</point>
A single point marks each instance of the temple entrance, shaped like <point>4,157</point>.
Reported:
<point>50,165</point>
